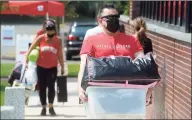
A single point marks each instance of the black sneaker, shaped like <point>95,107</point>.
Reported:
<point>43,112</point>
<point>52,112</point>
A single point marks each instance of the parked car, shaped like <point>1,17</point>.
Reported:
<point>74,38</point>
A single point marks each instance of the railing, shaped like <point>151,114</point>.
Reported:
<point>176,14</point>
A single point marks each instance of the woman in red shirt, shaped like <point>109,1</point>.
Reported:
<point>50,52</point>
<point>40,32</point>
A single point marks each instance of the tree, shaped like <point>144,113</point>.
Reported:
<point>70,10</point>
<point>2,3</point>
<point>75,9</point>
<point>122,6</point>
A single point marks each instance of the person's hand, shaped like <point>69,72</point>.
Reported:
<point>26,65</point>
<point>62,70</point>
<point>9,85</point>
<point>82,95</point>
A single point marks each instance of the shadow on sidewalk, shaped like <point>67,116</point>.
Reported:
<point>58,115</point>
<point>72,94</point>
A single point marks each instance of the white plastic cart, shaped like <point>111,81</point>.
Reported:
<point>116,101</point>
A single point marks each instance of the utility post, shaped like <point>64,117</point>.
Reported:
<point>96,9</point>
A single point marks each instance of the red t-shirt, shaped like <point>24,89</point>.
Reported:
<point>48,52</point>
<point>102,45</point>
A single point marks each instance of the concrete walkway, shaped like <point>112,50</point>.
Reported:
<point>69,110</point>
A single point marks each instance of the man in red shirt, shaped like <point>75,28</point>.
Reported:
<point>110,42</point>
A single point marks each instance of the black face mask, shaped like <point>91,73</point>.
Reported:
<point>50,35</point>
<point>112,25</point>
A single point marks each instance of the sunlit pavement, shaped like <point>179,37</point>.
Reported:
<point>69,110</point>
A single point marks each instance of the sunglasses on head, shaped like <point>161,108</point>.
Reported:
<point>111,16</point>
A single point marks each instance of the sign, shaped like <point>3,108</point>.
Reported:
<point>22,46</point>
<point>40,8</point>
<point>8,35</point>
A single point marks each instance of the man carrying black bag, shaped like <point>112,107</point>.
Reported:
<point>110,42</point>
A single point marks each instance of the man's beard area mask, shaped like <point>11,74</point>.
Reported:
<point>112,25</point>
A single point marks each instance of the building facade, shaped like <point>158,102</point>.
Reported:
<point>169,26</point>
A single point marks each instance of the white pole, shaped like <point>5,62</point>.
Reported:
<point>63,19</point>
<point>47,16</point>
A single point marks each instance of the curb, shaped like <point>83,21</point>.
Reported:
<point>8,58</point>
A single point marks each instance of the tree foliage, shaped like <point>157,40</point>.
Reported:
<point>74,9</point>
<point>122,6</point>
<point>2,5</point>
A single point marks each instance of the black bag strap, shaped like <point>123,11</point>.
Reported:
<point>87,65</point>
<point>23,75</point>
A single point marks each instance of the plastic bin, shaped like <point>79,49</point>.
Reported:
<point>114,102</point>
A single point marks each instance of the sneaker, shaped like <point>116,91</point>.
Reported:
<point>43,112</point>
<point>52,112</point>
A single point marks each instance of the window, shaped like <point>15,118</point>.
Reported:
<point>172,14</point>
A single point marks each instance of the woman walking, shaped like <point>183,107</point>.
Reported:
<point>140,33</point>
<point>50,52</point>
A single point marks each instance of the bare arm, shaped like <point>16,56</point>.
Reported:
<point>36,36</point>
<point>139,54</point>
<point>34,44</point>
<point>82,68</point>
<point>60,55</point>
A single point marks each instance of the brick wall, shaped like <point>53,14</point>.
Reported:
<point>177,82</point>
<point>172,98</point>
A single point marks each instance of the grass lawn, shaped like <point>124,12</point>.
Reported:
<point>2,91</point>
<point>6,69</point>
<point>73,70</point>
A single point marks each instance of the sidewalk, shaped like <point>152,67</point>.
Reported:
<point>69,110</point>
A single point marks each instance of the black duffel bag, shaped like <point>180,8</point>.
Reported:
<point>142,70</point>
